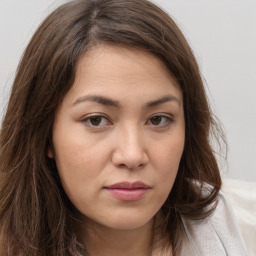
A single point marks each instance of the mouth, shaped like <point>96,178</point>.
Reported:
<point>126,191</point>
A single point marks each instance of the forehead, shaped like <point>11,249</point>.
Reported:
<point>122,71</point>
<point>126,60</point>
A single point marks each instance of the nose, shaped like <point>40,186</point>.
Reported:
<point>130,149</point>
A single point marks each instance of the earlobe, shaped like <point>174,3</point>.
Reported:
<point>50,153</point>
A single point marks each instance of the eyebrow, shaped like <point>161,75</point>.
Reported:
<point>113,103</point>
<point>162,100</point>
<point>99,99</point>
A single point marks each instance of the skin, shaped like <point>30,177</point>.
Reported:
<point>137,135</point>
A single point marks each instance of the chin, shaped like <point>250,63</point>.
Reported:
<point>128,224</point>
<point>123,221</point>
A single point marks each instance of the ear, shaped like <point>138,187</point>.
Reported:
<point>50,153</point>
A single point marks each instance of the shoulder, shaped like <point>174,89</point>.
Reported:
<point>216,235</point>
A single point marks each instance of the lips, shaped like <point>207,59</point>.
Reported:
<point>127,191</point>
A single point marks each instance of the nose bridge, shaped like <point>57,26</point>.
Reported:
<point>130,149</point>
<point>132,139</point>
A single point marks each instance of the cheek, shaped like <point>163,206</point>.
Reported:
<point>168,153</point>
<point>76,151</point>
<point>78,165</point>
<point>166,162</point>
<point>79,174</point>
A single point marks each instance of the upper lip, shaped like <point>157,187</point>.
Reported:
<point>128,185</point>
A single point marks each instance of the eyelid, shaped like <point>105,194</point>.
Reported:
<point>169,118</point>
<point>86,118</point>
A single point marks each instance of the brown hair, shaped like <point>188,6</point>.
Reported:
<point>35,214</point>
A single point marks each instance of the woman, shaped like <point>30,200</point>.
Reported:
<point>105,143</point>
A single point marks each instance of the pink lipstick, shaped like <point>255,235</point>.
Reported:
<point>127,191</point>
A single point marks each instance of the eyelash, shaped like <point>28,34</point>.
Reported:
<point>88,121</point>
<point>168,120</point>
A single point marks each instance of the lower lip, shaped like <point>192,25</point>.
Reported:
<point>127,194</point>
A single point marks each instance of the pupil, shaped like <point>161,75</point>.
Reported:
<point>156,120</point>
<point>96,120</point>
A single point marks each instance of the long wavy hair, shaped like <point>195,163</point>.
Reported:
<point>36,217</point>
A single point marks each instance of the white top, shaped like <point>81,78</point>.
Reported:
<point>217,235</point>
<point>242,196</point>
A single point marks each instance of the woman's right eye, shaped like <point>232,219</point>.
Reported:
<point>96,121</point>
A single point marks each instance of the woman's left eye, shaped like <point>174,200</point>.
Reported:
<point>160,120</point>
<point>96,121</point>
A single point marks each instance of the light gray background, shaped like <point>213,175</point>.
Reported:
<point>222,34</point>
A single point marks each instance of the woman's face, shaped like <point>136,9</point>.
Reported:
<point>118,137</point>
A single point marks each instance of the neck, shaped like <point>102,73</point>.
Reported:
<point>103,241</point>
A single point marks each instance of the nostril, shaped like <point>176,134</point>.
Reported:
<point>131,166</point>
